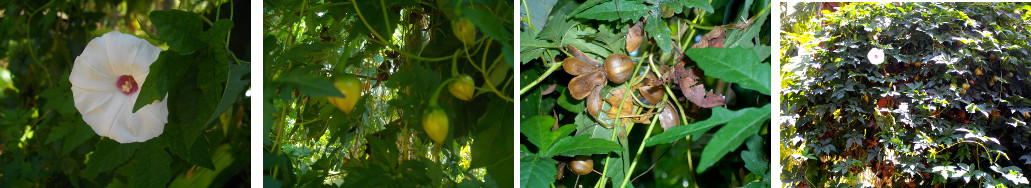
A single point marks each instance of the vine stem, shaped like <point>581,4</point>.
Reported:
<point>380,39</point>
<point>628,92</point>
<point>554,66</point>
<point>436,93</point>
<point>639,150</point>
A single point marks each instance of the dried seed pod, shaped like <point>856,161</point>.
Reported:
<point>594,101</point>
<point>581,86</point>
<point>619,67</point>
<point>576,67</point>
<point>582,165</point>
<point>634,37</point>
<point>669,118</point>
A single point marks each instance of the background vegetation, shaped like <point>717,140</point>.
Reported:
<point>714,54</point>
<point>45,142</point>
<point>401,52</point>
<point>948,107</point>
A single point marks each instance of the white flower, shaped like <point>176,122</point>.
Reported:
<point>106,80</point>
<point>876,56</point>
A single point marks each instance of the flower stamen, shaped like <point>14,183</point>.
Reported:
<point>127,84</point>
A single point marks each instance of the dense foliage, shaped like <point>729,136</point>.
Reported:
<point>46,143</point>
<point>949,104</point>
<point>387,93</point>
<point>673,70</point>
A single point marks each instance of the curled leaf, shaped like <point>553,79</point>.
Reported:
<point>695,92</point>
<point>712,39</point>
<point>634,37</point>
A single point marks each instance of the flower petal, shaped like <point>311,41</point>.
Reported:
<point>102,104</point>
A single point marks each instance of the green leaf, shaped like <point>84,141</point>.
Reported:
<point>743,38</point>
<point>153,166</point>
<point>536,171</point>
<point>308,84</point>
<point>731,136</point>
<point>555,28</point>
<point>755,160</point>
<point>203,177</point>
<point>239,79</point>
<point>736,65</point>
<point>658,30</point>
<point>566,101</point>
<point>489,24</point>
<point>178,28</point>
<point>720,115</point>
<point>701,4</point>
<point>572,37</point>
<point>538,131</point>
<point>609,11</point>
<point>109,154</point>
<point>165,72</point>
<point>581,145</point>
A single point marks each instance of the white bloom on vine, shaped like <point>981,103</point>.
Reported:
<point>876,56</point>
<point>106,80</point>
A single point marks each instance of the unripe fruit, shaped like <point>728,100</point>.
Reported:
<point>582,164</point>
<point>434,121</point>
<point>619,67</point>
<point>349,86</point>
<point>462,87</point>
<point>464,30</point>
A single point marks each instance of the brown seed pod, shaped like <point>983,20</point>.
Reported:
<point>619,67</point>
<point>581,86</point>
<point>561,171</point>
<point>582,165</point>
<point>634,37</point>
<point>577,67</point>
<point>668,118</point>
<point>594,101</point>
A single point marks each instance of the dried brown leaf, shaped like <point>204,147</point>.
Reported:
<point>634,37</point>
<point>695,92</point>
<point>712,39</point>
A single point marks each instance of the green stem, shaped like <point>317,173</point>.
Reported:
<point>639,150</point>
<point>436,93</point>
<point>554,66</point>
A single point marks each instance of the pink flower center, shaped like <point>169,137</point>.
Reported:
<point>127,84</point>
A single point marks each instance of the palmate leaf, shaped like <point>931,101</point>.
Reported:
<point>109,154</point>
<point>538,131</point>
<point>609,11</point>
<point>581,145</point>
<point>658,31</point>
<point>179,29</point>
<point>720,115</point>
<point>701,4</point>
<point>732,135</point>
<point>307,84</point>
<point>735,65</point>
<point>536,171</point>
<point>573,37</point>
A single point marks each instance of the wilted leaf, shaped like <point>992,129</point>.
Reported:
<point>634,37</point>
<point>713,39</point>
